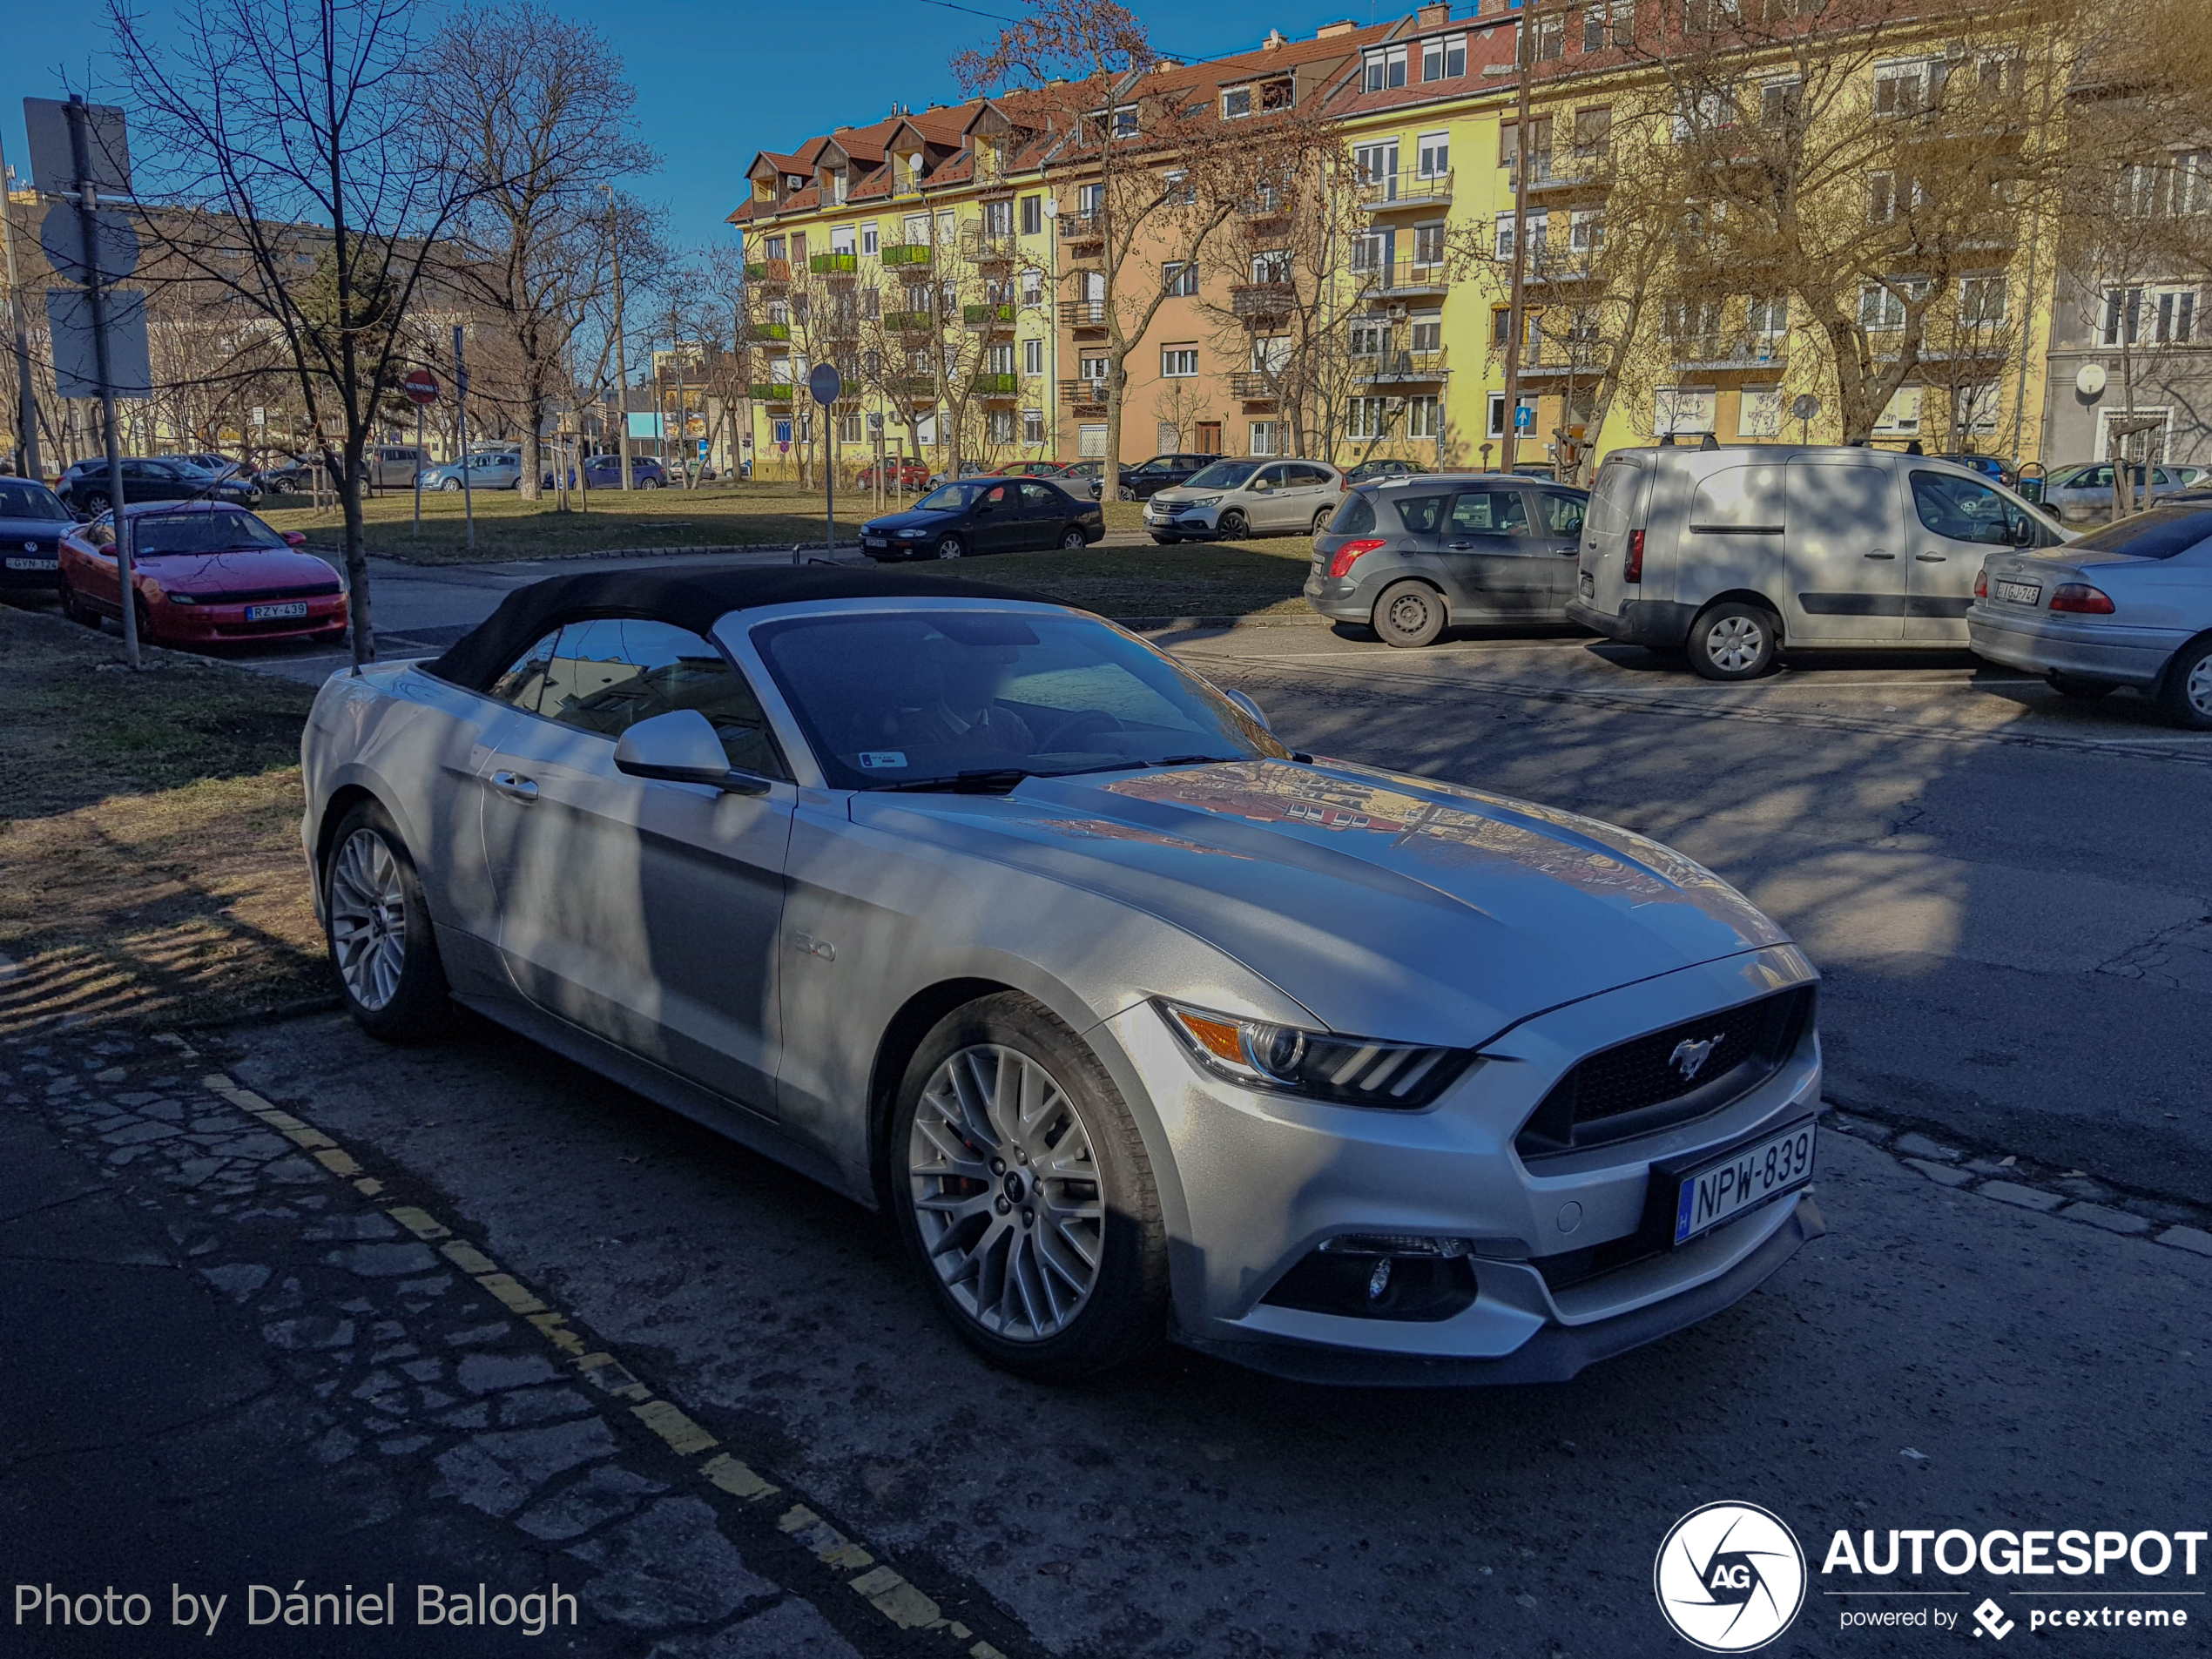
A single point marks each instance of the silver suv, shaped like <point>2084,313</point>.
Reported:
<point>1232,499</point>
<point>1410,556</point>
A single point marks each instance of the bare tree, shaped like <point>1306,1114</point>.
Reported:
<point>301,126</point>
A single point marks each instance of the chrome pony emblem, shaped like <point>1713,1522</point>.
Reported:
<point>1688,1058</point>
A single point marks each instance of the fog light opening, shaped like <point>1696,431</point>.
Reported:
<point>1382,1276</point>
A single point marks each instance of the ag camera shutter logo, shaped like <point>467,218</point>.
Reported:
<point>1730,1577</point>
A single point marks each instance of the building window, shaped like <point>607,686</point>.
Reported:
<point>1386,69</point>
<point>1091,440</point>
<point>1179,363</point>
<point>1769,317</point>
<point>848,429</point>
<point>1032,215</point>
<point>1435,155</point>
<point>1593,131</point>
<point>1092,368</point>
<point>1177,278</point>
<point>1551,37</point>
<point>1032,426</point>
<point>1125,122</point>
<point>1033,286</point>
<point>1677,410</point>
<point>1444,59</point>
<point>1426,333</point>
<point>842,239</point>
<point>1033,357</point>
<point>1586,231</point>
<point>774,248</point>
<point>1758,414</point>
<point>998,219</point>
<point>1090,199</point>
<point>1421,417</point>
<point>1613,20</point>
<point>1000,359</point>
<point>1901,417</point>
<point>1271,265</point>
<point>1781,104</point>
<point>1428,245</point>
<point>2169,314</point>
<point>1366,417</point>
<point>1237,101</point>
<point>1495,426</point>
<point>1880,307</point>
<point>1981,300</point>
<point>1881,197</point>
<point>1266,439</point>
<point>1002,426</point>
<point>1505,236</point>
<point>1903,88</point>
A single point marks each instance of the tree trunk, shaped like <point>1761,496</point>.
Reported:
<point>349,502</point>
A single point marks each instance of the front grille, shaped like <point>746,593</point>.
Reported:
<point>254,595</point>
<point>1639,1085</point>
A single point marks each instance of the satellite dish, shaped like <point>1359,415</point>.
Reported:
<point>2090,380</point>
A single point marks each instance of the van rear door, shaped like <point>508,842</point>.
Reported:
<point>1843,568</point>
<point>1617,506</point>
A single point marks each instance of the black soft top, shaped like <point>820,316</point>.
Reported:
<point>689,598</point>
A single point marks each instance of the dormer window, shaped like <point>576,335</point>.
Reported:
<point>1444,57</point>
<point>840,182</point>
<point>1386,68</point>
<point>1125,122</point>
<point>1237,101</point>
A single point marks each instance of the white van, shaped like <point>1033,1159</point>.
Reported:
<point>1736,553</point>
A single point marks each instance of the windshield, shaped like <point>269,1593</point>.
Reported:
<point>22,500</point>
<point>199,533</point>
<point>1224,474</point>
<point>950,498</point>
<point>2159,534</point>
<point>892,701</point>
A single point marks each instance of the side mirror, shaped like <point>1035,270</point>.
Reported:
<point>1249,707</point>
<point>295,538</point>
<point>2024,532</point>
<point>680,747</point>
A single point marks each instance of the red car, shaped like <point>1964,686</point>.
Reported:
<point>911,474</point>
<point>207,573</point>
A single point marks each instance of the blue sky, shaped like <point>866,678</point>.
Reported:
<point>717,82</point>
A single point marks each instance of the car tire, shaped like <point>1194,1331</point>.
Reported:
<point>453,484</point>
<point>96,502</point>
<point>2186,693</point>
<point>1409,615</point>
<point>1733,641</point>
<point>948,547</point>
<point>74,609</point>
<point>1230,526</point>
<point>1321,520</point>
<point>649,483</point>
<point>1072,540</point>
<point>2084,690</point>
<point>1167,541</point>
<point>1002,1291</point>
<point>383,952</point>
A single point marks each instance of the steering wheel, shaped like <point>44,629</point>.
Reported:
<point>1081,721</point>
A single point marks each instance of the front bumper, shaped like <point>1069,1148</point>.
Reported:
<point>2043,645</point>
<point>1263,1180</point>
<point>1166,519</point>
<point>227,624</point>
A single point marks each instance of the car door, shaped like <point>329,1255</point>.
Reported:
<point>994,522</point>
<point>1956,523</point>
<point>1492,554</point>
<point>1842,564</point>
<point>644,912</point>
<point>1265,495</point>
<point>1559,527</point>
<point>1045,514</point>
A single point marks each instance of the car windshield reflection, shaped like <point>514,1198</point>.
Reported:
<point>996,695</point>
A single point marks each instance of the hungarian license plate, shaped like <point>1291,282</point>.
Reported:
<point>872,541</point>
<point>276,613</point>
<point>1741,1178</point>
<point>18,563</point>
<point>2020,593</point>
<point>1587,585</point>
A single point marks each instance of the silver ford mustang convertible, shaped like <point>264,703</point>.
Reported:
<point>984,910</point>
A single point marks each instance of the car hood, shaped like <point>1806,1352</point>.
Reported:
<point>14,532</point>
<point>1176,494</point>
<point>248,569</point>
<point>910,520</point>
<point>1387,906</point>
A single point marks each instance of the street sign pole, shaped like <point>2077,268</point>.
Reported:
<point>419,453</point>
<point>826,384</point>
<point>87,212</point>
<point>461,427</point>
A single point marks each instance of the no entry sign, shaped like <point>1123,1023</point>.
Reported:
<point>421,386</point>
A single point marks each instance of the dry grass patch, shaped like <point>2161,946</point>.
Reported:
<point>150,865</point>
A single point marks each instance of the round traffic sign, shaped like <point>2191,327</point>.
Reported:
<point>421,386</point>
<point>826,383</point>
<point>1804,406</point>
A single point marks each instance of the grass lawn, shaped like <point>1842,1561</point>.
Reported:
<point>150,868</point>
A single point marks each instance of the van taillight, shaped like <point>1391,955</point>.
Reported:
<point>1633,570</point>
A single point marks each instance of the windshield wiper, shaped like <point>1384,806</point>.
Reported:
<point>993,780</point>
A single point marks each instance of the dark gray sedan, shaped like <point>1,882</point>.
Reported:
<point>2129,604</point>
<point>1410,556</point>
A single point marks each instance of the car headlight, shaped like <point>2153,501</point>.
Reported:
<point>1204,501</point>
<point>178,598</point>
<point>1321,1065</point>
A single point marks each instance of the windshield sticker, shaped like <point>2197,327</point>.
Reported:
<point>882,759</point>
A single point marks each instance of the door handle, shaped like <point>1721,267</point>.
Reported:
<point>513,787</point>
<point>1878,554</point>
<point>1460,547</point>
<point>1930,558</point>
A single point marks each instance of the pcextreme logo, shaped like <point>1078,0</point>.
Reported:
<point>1730,1577</point>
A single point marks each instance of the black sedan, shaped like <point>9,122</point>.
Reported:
<point>984,515</point>
<point>1141,481</point>
<point>85,486</point>
<point>32,520</point>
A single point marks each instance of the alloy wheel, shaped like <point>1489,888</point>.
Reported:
<point>950,548</point>
<point>2196,690</point>
<point>368,919</point>
<point>1006,1192</point>
<point>1735,643</point>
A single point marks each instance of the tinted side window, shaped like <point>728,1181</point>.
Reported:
<point>1421,513</point>
<point>1489,512</point>
<point>524,683</point>
<point>1355,517</point>
<point>1309,476</point>
<point>1043,496</point>
<point>607,675</point>
<point>1562,514</point>
<point>1615,497</point>
<point>1962,510</point>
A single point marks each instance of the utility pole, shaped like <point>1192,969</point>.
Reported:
<point>1516,321</point>
<point>26,398</point>
<point>621,357</point>
<point>80,144</point>
<point>460,433</point>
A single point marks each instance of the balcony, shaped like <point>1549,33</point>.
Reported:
<point>1253,387</point>
<point>761,332</point>
<point>988,318</point>
<point>1265,219</point>
<point>1082,314</point>
<point>834,263</point>
<point>1076,228</point>
<point>908,322</point>
<point>1395,367</point>
<point>1262,301</point>
<point>1084,393</point>
<point>1544,266</point>
<point>988,247</point>
<point>1721,351</point>
<point>1546,357</point>
<point>774,273</point>
<point>770,391</point>
<point>910,385</point>
<point>1547,178</point>
<point>1393,192</point>
<point>906,253</point>
<point>1401,280</point>
<point>998,386</point>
